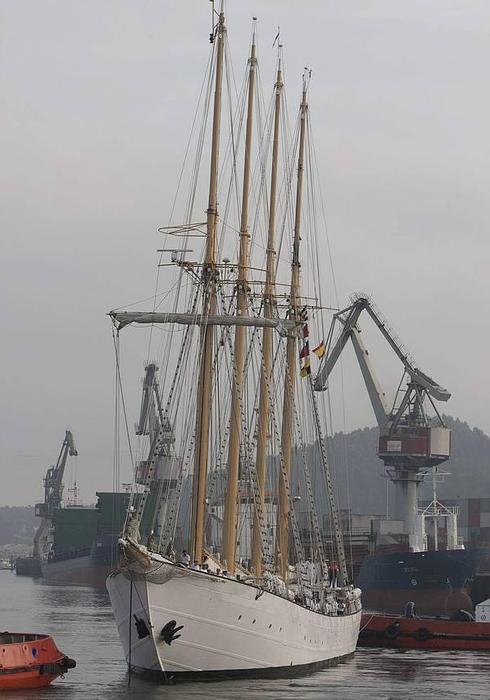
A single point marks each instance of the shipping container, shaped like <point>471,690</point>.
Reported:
<point>75,529</point>
<point>482,611</point>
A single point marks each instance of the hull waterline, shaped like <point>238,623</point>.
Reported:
<point>191,624</point>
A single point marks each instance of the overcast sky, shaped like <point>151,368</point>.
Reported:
<point>96,102</point>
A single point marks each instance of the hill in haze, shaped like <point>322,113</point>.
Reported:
<point>17,524</point>
<point>360,473</point>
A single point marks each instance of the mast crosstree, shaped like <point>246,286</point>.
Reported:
<point>205,389</point>
<point>231,498</point>
<point>266,365</point>
<point>282,541</point>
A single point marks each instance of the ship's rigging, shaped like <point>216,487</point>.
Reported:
<point>243,428</point>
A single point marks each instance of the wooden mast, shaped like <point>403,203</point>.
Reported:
<point>282,539</point>
<point>231,498</point>
<point>205,388</point>
<point>266,369</point>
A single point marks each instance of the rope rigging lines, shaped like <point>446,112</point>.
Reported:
<point>166,448</point>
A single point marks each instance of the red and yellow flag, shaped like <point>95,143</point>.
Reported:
<point>305,351</point>
<point>306,368</point>
<point>320,349</point>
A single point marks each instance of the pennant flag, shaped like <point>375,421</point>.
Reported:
<point>306,369</point>
<point>306,332</point>
<point>320,349</point>
<point>305,351</point>
<point>303,314</point>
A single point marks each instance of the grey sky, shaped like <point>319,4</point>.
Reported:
<point>96,101</point>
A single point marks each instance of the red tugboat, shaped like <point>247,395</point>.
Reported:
<point>30,661</point>
<point>461,631</point>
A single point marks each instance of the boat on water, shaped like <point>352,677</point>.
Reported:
<point>440,580</point>
<point>83,545</point>
<point>30,661</point>
<point>74,544</point>
<point>460,631</point>
<point>53,496</point>
<point>235,404</point>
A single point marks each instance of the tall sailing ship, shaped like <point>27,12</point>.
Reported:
<point>227,584</point>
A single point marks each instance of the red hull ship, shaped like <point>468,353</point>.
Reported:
<point>423,633</point>
<point>30,661</point>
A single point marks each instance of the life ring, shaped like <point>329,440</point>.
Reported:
<point>392,631</point>
<point>422,634</point>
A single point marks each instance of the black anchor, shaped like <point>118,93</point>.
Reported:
<point>169,632</point>
<point>141,627</point>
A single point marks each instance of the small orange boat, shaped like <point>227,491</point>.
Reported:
<point>30,660</point>
<point>398,632</point>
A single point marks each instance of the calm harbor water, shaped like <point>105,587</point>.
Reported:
<point>80,619</point>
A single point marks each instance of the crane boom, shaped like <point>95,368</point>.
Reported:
<point>376,395</point>
<point>333,354</point>
<point>432,387</point>
<point>350,330</point>
<point>53,493</point>
<point>53,482</point>
<point>410,442</point>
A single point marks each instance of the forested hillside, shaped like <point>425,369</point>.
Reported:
<point>358,473</point>
<point>17,524</point>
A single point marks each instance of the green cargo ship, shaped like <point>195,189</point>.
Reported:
<point>75,544</point>
<point>80,544</point>
<point>85,541</point>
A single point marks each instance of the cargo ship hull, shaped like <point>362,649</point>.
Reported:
<point>90,568</point>
<point>28,566</point>
<point>82,548</point>
<point>79,571</point>
<point>439,583</point>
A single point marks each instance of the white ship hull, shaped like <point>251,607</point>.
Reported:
<point>229,628</point>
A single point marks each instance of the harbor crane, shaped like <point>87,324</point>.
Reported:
<point>410,441</point>
<point>53,494</point>
<point>155,473</point>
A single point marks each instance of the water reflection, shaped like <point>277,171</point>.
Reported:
<point>68,596</point>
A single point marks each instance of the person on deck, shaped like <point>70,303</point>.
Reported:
<point>185,559</point>
<point>410,611</point>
